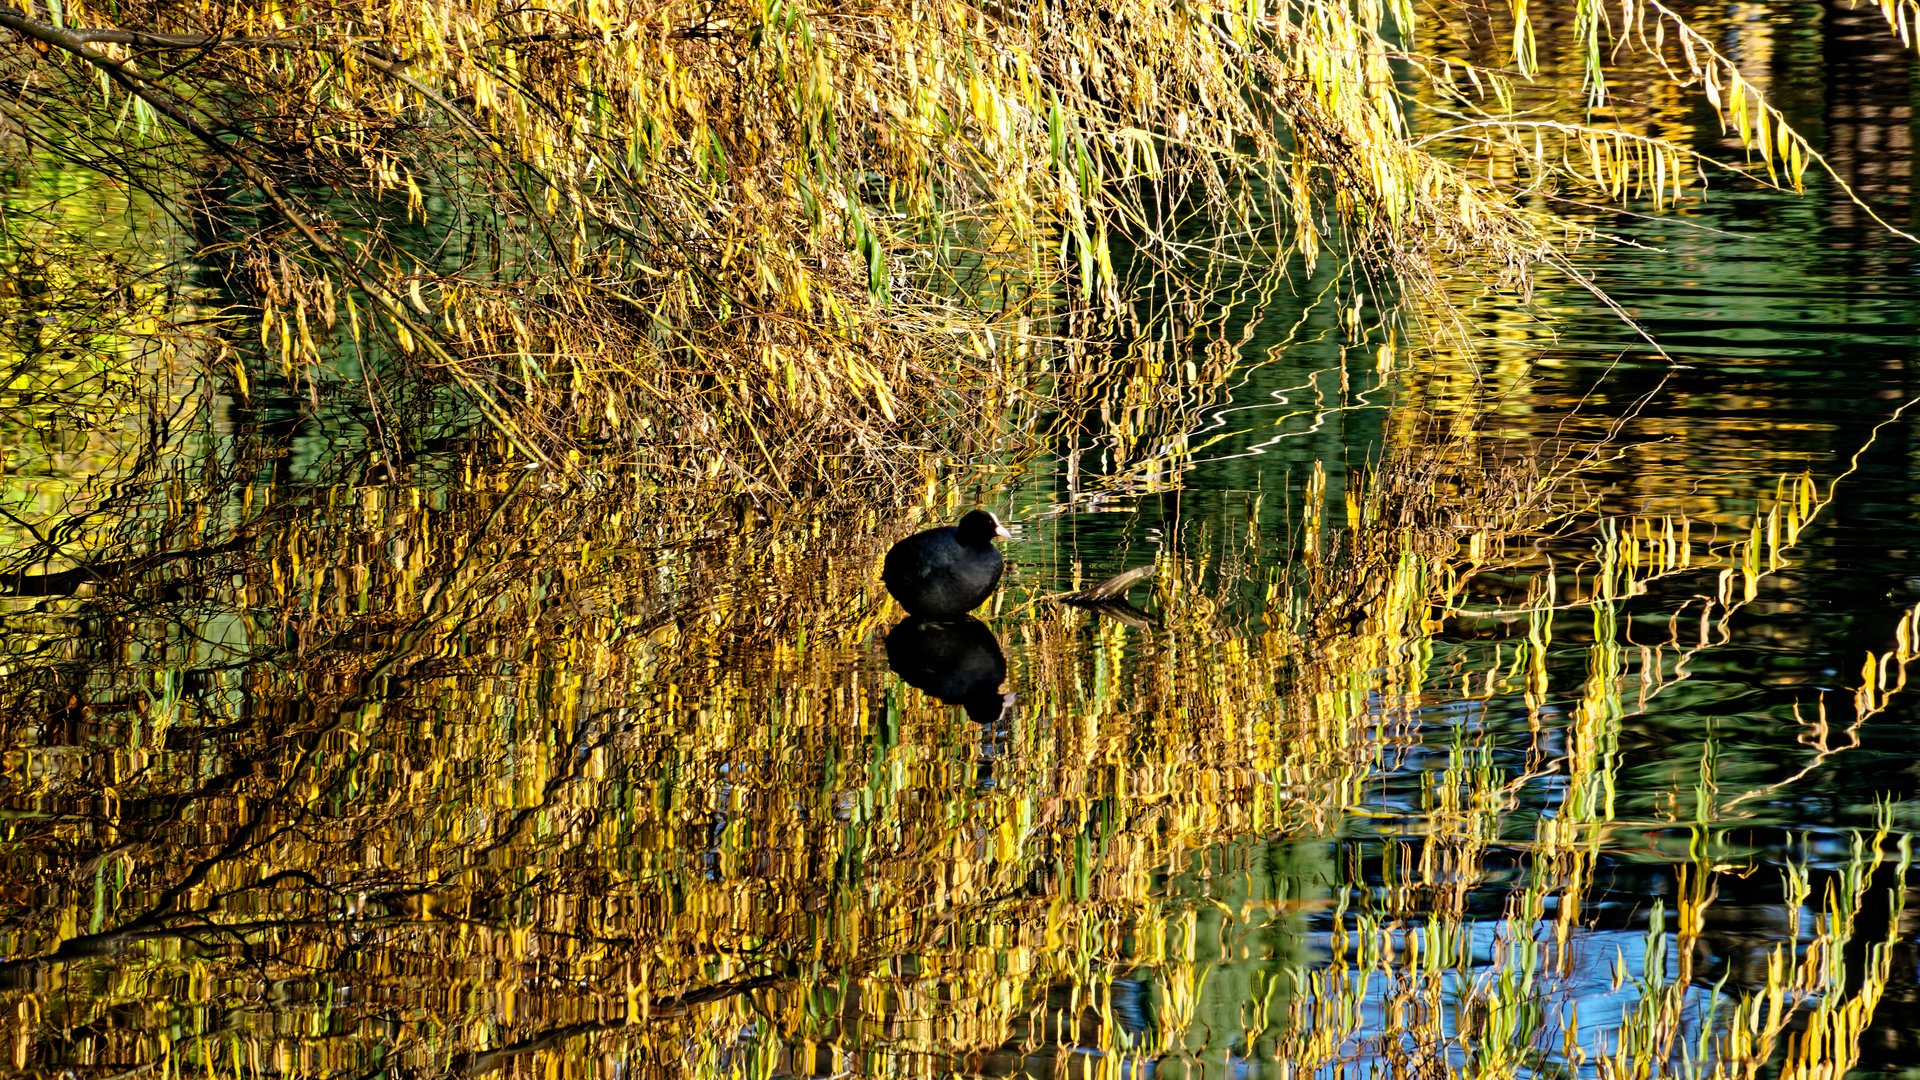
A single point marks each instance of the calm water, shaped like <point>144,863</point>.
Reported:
<point>314,765</point>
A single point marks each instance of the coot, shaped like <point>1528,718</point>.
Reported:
<point>948,571</point>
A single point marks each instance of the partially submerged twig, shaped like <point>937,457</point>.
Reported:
<point>1109,598</point>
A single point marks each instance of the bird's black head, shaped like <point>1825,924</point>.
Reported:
<point>979,529</point>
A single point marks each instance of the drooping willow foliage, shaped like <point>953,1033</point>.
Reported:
<point>771,244</point>
<point>454,772</point>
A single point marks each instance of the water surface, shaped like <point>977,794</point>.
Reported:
<point>318,763</point>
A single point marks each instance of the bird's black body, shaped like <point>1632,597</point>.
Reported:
<point>948,571</point>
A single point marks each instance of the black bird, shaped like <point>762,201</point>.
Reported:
<point>948,571</point>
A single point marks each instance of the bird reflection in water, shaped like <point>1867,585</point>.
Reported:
<point>957,660</point>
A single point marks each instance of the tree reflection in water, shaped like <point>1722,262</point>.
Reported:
<point>316,766</point>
